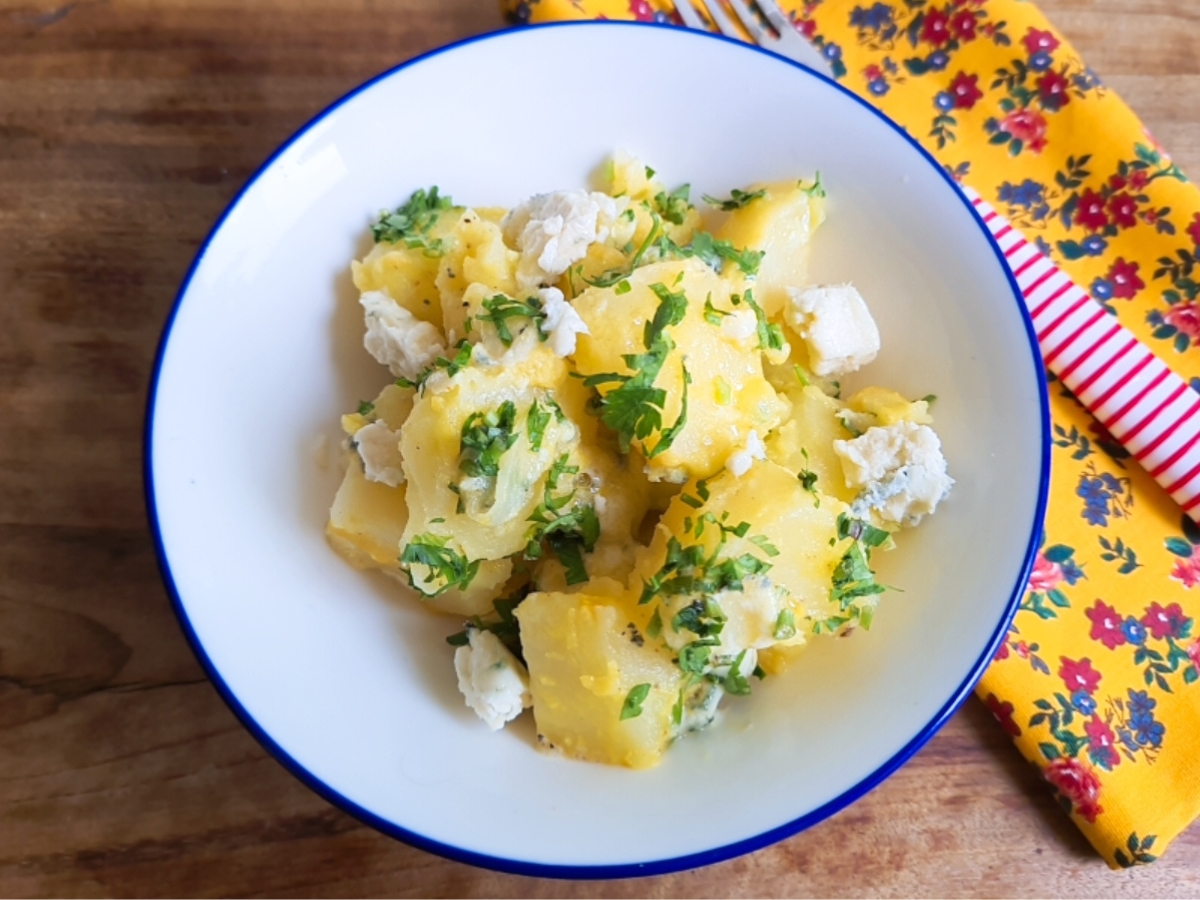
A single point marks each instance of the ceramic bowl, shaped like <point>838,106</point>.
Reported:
<point>351,687</point>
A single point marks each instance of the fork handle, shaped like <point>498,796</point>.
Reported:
<point>1148,408</point>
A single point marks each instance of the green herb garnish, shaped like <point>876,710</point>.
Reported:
<point>486,437</point>
<point>634,408</point>
<point>411,223</point>
<point>674,206</point>
<point>632,707</point>
<point>500,308</point>
<point>447,567</point>
<point>737,199</point>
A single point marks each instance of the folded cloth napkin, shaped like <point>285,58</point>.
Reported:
<point>1098,681</point>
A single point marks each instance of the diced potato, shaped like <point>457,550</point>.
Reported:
<point>889,407</point>
<point>476,256</point>
<point>813,427</point>
<point>781,514</point>
<point>727,395</point>
<point>366,525</point>
<point>367,520</point>
<point>406,275</point>
<point>780,224</point>
<point>584,658</point>
<point>490,521</point>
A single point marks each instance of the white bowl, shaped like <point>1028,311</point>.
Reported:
<point>353,690</point>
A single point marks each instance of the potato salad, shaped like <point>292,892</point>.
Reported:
<point>611,442</point>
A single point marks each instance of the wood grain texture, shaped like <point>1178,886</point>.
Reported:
<point>125,128</point>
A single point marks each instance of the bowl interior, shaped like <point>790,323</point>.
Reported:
<point>356,690</point>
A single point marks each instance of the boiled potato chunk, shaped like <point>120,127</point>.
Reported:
<point>813,427</point>
<point>889,407</point>
<point>584,659</point>
<point>727,394</point>
<point>477,255</point>
<point>367,520</point>
<point>780,224</point>
<point>489,517</point>
<point>795,524</point>
<point>366,525</point>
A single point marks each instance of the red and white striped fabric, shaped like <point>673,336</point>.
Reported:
<point>1147,407</point>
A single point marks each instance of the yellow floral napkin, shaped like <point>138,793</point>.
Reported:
<point>1099,679</point>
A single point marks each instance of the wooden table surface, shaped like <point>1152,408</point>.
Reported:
<point>125,128</point>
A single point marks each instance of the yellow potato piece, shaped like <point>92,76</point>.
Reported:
<point>728,395</point>
<point>889,407</point>
<point>584,659</point>
<point>812,429</point>
<point>780,224</point>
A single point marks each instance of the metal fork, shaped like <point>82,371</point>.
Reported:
<point>781,37</point>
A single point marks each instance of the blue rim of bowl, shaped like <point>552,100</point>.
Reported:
<point>617,870</point>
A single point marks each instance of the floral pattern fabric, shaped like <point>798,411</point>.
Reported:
<point>1098,681</point>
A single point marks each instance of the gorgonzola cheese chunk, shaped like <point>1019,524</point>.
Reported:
<point>397,338</point>
<point>898,470</point>
<point>553,231</point>
<point>836,327</point>
<point>379,448</point>
<point>492,680</point>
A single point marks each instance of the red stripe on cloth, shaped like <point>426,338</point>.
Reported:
<point>1187,507</point>
<point>1105,366</point>
<point>1025,266</point>
<point>1002,232</point>
<point>1041,279</point>
<point>1151,416</point>
<point>1120,383</point>
<point>1073,336</point>
<point>1180,482</point>
<point>1066,314</point>
<point>1137,398</point>
<point>1034,313</point>
<point>1184,448</point>
<point>1089,352</point>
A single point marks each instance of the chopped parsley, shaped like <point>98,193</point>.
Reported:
<point>613,276</point>
<point>365,407</point>
<point>538,419</point>
<point>674,207</point>
<point>808,480</point>
<point>567,527</point>
<point>737,199</point>
<point>462,358</point>
<point>411,223</point>
<point>692,570</point>
<point>770,335</point>
<point>634,408</point>
<point>632,707</point>
<point>930,399</point>
<point>486,437</point>
<point>735,682</point>
<point>501,308</point>
<point>504,626</point>
<point>712,315</point>
<point>853,584</point>
<point>447,567</point>
<point>716,253</point>
<point>816,189</point>
<point>785,626</point>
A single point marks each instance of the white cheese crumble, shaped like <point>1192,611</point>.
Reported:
<point>740,460</point>
<point>740,325</point>
<point>562,322</point>
<point>553,232</point>
<point>899,470</point>
<point>397,338</point>
<point>494,682</point>
<point>379,449</point>
<point>836,327</point>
